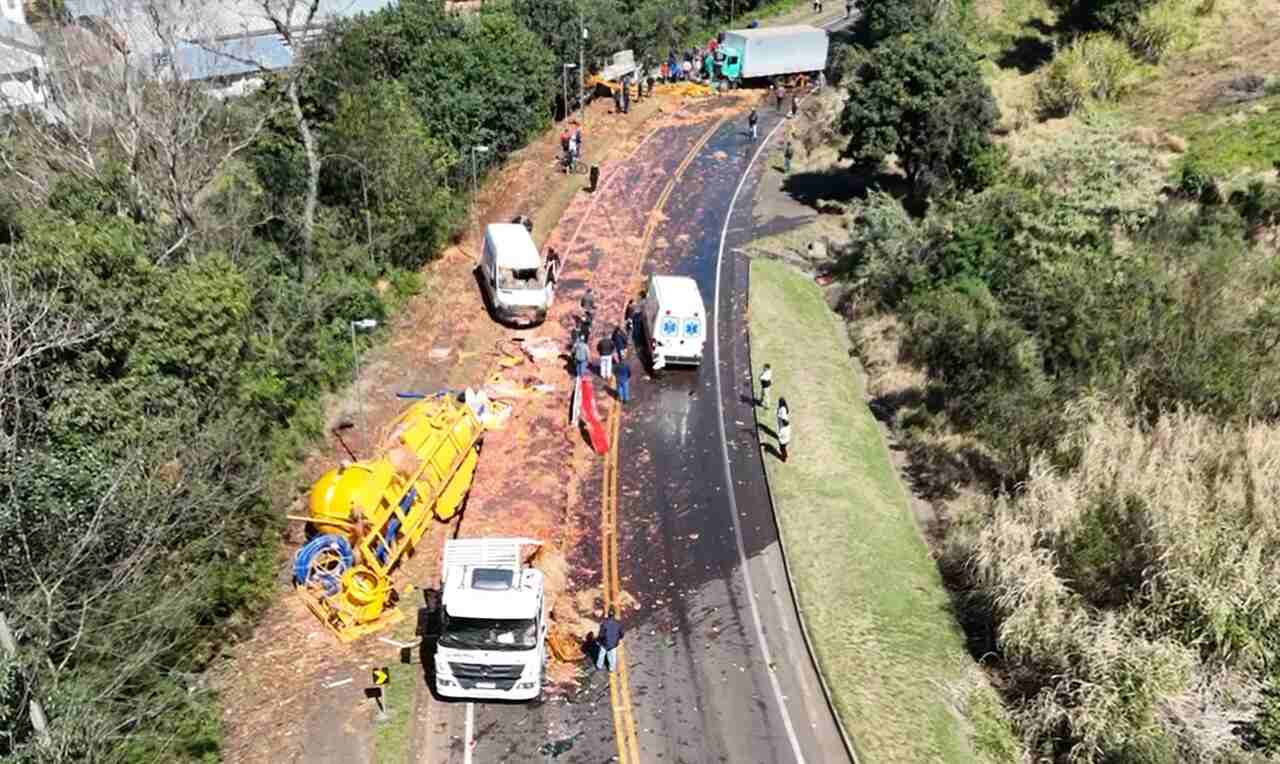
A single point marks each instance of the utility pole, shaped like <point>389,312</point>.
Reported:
<point>582,68</point>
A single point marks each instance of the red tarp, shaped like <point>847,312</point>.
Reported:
<point>595,428</point>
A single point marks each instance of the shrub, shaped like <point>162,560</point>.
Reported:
<point>1167,26</point>
<point>1094,67</point>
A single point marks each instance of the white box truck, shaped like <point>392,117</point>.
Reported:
<point>749,54</point>
<point>674,321</point>
<point>513,275</point>
<point>493,622</point>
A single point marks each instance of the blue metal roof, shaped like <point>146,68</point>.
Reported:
<point>231,57</point>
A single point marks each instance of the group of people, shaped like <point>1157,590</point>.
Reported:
<point>783,412</point>
<point>611,349</point>
<point>571,146</point>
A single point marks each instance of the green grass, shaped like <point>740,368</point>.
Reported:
<point>869,592</point>
<point>1237,139</point>
<point>391,738</point>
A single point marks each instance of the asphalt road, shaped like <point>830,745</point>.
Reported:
<point>718,671</point>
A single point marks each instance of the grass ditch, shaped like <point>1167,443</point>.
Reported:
<point>882,628</point>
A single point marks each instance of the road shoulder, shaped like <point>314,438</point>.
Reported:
<point>868,589</point>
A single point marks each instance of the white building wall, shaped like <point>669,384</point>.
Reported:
<point>11,10</point>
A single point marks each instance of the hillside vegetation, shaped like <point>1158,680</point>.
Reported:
<point>178,275</point>
<point>1074,328</point>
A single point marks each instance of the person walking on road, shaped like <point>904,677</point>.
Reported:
<point>766,382</point>
<point>784,436</point>
<point>580,355</point>
<point>795,106</point>
<point>620,343</point>
<point>553,266</point>
<point>606,358</point>
<point>589,304</point>
<point>607,641</point>
<point>779,93</point>
<point>624,381</point>
<point>787,153</point>
<point>753,121</point>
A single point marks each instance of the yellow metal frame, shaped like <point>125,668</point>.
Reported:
<point>441,487</point>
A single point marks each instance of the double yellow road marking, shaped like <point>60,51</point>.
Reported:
<point>624,722</point>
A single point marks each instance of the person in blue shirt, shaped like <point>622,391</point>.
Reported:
<point>608,640</point>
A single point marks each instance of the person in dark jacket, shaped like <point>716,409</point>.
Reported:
<point>753,121</point>
<point>623,373</point>
<point>620,342</point>
<point>553,266</point>
<point>607,642</point>
<point>787,153</point>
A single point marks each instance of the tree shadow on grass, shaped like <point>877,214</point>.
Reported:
<point>838,184</point>
<point>1027,54</point>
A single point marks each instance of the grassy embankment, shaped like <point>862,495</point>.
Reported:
<point>870,594</point>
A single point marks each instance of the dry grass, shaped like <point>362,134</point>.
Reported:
<point>882,628</point>
<point>1134,593</point>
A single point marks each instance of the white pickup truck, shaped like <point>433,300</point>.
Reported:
<point>493,622</point>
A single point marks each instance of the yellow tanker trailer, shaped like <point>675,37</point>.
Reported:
<point>368,514</point>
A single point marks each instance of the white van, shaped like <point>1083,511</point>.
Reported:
<point>512,274</point>
<point>674,321</point>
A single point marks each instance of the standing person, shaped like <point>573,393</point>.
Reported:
<point>795,106</point>
<point>779,94</point>
<point>577,141</point>
<point>787,153</point>
<point>626,97</point>
<point>784,437</point>
<point>822,80</point>
<point>766,382</point>
<point>620,343</point>
<point>580,355</point>
<point>784,412</point>
<point>753,121</point>
<point>624,381</point>
<point>553,266</point>
<point>589,303</point>
<point>629,320</point>
<point>607,641</point>
<point>817,6</point>
<point>606,358</point>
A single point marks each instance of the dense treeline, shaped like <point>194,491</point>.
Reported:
<point>1098,344</point>
<point>177,277</point>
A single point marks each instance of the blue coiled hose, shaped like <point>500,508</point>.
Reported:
<point>331,580</point>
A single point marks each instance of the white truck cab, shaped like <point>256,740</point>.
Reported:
<point>674,321</point>
<point>493,622</point>
<point>513,275</point>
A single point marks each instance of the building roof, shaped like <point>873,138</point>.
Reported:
<point>20,48</point>
<point>211,39</point>
<point>231,58</point>
<point>515,247</point>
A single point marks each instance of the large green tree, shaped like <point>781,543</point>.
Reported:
<point>922,98</point>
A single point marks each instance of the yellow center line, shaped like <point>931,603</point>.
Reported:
<point>624,722</point>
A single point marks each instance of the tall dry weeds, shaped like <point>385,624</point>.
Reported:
<point>1135,595</point>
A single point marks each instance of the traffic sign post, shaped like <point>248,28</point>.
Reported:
<point>381,678</point>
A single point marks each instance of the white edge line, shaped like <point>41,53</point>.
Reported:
<point>728,474</point>
<point>470,733</point>
<point>724,452</point>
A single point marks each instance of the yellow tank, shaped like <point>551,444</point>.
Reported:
<point>382,506</point>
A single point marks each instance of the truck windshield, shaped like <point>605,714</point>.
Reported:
<point>519,278</point>
<point>489,633</point>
